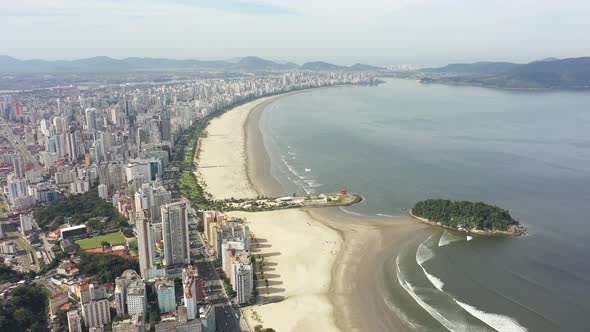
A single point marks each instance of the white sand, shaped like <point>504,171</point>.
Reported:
<point>221,157</point>
<point>299,253</point>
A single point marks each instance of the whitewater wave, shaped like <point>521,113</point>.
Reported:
<point>401,314</point>
<point>411,290</point>
<point>448,238</point>
<point>423,255</point>
<point>351,212</point>
<point>303,180</point>
<point>498,322</point>
<point>385,215</point>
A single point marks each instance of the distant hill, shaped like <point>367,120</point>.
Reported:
<point>547,73</point>
<point>363,67</point>
<point>106,64</point>
<point>478,68</point>
<point>320,65</point>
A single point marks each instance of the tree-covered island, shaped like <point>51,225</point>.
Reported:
<point>467,216</point>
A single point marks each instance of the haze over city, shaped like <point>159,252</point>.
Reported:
<point>421,32</point>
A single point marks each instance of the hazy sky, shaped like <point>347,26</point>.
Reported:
<point>343,31</point>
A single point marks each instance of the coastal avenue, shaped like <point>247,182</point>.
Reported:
<point>226,316</point>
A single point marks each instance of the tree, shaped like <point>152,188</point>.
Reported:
<point>105,267</point>
<point>464,214</point>
<point>26,309</point>
<point>105,244</point>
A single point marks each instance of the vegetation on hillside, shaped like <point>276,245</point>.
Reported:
<point>7,274</point>
<point>544,74</point>
<point>464,214</point>
<point>25,310</point>
<point>105,267</point>
<point>85,208</point>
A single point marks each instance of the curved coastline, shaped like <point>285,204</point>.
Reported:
<point>367,243</point>
<point>340,249</point>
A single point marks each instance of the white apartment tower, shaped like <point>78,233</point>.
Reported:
<point>189,288</point>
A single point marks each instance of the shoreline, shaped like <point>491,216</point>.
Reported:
<point>360,245</point>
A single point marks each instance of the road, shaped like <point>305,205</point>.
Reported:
<point>226,316</point>
<point>6,131</point>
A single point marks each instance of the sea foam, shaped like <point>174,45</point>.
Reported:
<point>498,322</point>
<point>411,290</point>
<point>448,238</point>
<point>423,255</point>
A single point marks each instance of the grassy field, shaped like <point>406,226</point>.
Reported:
<point>95,242</point>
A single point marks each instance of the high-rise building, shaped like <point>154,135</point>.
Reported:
<point>17,187</point>
<point>207,315</point>
<point>72,147</point>
<point>96,313</point>
<point>103,191</point>
<point>136,298</point>
<point>145,244</point>
<point>122,285</point>
<point>74,322</point>
<point>175,233</point>
<point>189,288</point>
<point>91,123</point>
<point>244,281</point>
<point>18,164</point>
<point>166,294</point>
<point>150,198</point>
<point>26,222</point>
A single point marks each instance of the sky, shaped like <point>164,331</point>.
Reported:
<point>379,32</point>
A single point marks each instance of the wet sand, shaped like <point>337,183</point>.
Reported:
<point>329,273</point>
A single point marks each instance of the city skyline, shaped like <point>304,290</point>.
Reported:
<point>376,32</point>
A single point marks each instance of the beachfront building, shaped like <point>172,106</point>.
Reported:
<point>175,233</point>
<point>191,289</point>
<point>243,276</point>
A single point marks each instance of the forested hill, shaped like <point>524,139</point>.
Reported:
<point>544,74</point>
<point>464,215</point>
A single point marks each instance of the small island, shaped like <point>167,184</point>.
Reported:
<point>470,217</point>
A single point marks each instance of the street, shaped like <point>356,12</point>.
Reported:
<point>226,316</point>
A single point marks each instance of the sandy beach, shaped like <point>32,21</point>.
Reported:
<point>323,265</point>
<point>222,154</point>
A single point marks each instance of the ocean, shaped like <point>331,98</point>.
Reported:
<point>401,142</point>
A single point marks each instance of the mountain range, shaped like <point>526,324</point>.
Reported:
<point>106,64</point>
<point>546,73</point>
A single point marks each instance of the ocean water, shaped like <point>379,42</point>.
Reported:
<point>401,142</point>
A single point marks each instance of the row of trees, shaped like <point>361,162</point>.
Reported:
<point>464,214</point>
